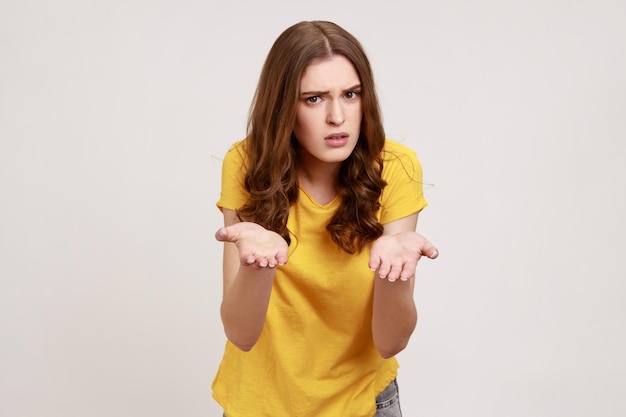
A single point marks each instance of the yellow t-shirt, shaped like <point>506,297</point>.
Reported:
<point>315,356</point>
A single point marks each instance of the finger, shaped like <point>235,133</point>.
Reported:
<point>408,270</point>
<point>374,262</point>
<point>431,252</point>
<point>281,255</point>
<point>256,263</point>
<point>223,234</point>
<point>383,269</point>
<point>272,262</point>
<point>428,249</point>
<point>394,272</point>
<point>281,258</point>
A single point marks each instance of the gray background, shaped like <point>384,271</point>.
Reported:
<point>114,117</point>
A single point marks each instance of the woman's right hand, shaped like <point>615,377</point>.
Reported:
<point>257,246</point>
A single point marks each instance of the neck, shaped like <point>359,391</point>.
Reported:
<point>319,181</point>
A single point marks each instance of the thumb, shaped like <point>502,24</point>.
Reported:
<point>223,235</point>
<point>430,251</point>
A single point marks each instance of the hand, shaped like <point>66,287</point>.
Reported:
<point>258,247</point>
<point>396,256</point>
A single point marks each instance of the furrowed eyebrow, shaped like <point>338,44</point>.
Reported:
<point>314,93</point>
<point>322,93</point>
<point>355,87</point>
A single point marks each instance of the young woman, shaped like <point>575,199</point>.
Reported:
<point>320,250</point>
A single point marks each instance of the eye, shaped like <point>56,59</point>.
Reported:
<point>313,99</point>
<point>351,95</point>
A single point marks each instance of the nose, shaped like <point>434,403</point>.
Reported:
<point>336,115</point>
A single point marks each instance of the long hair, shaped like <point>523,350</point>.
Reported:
<point>272,150</point>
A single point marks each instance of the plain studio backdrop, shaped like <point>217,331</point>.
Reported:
<point>114,118</point>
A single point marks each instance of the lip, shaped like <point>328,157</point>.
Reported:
<point>337,139</point>
<point>337,135</point>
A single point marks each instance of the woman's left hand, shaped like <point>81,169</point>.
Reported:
<point>396,256</point>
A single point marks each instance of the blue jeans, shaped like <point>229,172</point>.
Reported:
<point>387,402</point>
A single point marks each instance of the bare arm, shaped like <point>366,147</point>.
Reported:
<point>251,254</point>
<point>394,257</point>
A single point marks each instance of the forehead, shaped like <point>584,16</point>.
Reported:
<point>329,73</point>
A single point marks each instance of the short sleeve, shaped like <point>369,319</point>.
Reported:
<point>404,194</point>
<point>233,194</point>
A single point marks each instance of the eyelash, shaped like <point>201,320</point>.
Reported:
<point>354,93</point>
<point>315,99</point>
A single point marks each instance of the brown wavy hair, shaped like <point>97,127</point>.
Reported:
<point>273,152</point>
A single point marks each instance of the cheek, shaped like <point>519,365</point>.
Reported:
<point>359,110</point>
<point>356,112</point>
<point>357,117</point>
<point>304,122</point>
<point>299,128</point>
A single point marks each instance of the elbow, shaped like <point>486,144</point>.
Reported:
<point>245,347</point>
<point>244,337</point>
<point>244,344</point>
<point>388,350</point>
<point>390,343</point>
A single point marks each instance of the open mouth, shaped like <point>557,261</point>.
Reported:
<point>337,136</point>
<point>337,140</point>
